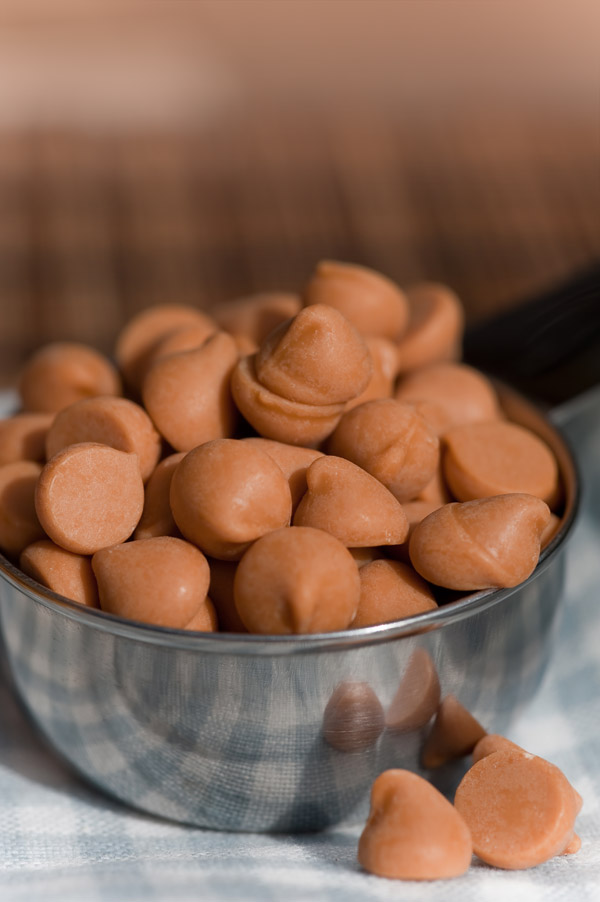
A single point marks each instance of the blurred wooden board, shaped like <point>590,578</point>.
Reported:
<point>93,228</point>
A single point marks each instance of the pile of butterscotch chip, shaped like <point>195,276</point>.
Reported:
<point>280,464</point>
<point>289,465</point>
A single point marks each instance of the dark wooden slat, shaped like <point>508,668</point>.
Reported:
<point>94,228</point>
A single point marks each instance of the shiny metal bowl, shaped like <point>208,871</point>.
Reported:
<point>226,731</point>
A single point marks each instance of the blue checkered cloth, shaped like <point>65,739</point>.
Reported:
<point>60,840</point>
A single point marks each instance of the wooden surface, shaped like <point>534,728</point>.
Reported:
<point>94,228</point>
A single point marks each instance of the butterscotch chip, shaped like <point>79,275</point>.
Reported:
<point>520,809</point>
<point>222,575</point>
<point>186,339</point>
<point>381,384</point>
<point>418,696</point>
<point>390,591</point>
<point>117,422</point>
<point>157,516</point>
<point>205,619</point>
<point>461,393</point>
<point>316,358</point>
<point>435,415</point>
<point>391,442</point>
<point>550,531</point>
<point>143,333</point>
<point>436,491</point>
<point>19,523</point>
<point>435,327</point>
<point>372,302</point>
<point>293,460</point>
<point>162,581</point>
<point>23,437</point>
<point>226,494</point>
<point>277,418</point>
<point>353,719</point>
<point>488,543</point>
<point>350,504</point>
<point>89,496</point>
<point>296,580</point>
<point>64,372</point>
<point>63,572</point>
<point>415,512</point>
<point>493,742</point>
<point>454,734</point>
<point>413,832</point>
<point>257,315</point>
<point>573,846</point>
<point>187,394</point>
<point>497,458</point>
<point>364,556</point>
<point>244,344</point>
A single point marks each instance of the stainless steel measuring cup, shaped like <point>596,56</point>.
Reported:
<point>226,731</point>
